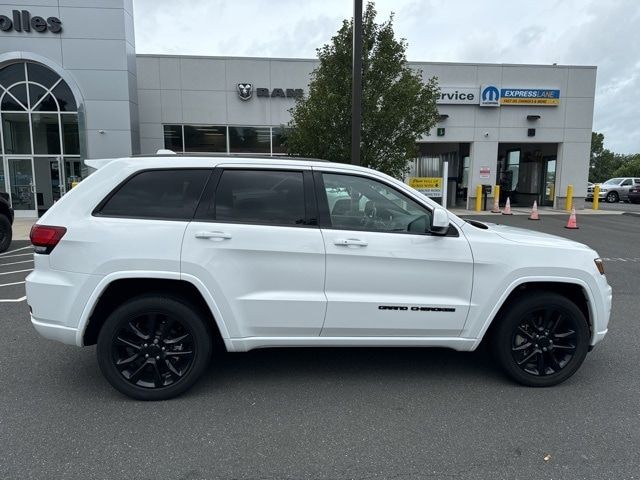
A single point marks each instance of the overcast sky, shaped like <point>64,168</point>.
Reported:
<point>579,32</point>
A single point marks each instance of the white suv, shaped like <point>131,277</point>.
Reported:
<point>158,259</point>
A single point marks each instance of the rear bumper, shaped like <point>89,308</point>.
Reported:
<point>59,333</point>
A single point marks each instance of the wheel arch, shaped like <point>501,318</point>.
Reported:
<point>113,291</point>
<point>575,290</point>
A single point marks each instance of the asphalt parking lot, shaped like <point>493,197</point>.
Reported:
<point>331,413</point>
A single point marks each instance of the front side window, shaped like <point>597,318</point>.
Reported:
<point>265,197</point>
<point>158,194</point>
<point>626,182</point>
<point>358,203</point>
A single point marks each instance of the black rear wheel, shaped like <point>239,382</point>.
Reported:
<point>154,347</point>
<point>542,340</point>
<point>5,233</point>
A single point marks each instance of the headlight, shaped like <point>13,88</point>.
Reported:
<point>599,265</point>
<point>603,190</point>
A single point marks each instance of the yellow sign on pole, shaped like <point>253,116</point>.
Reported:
<point>429,186</point>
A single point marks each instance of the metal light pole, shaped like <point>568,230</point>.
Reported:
<point>356,84</point>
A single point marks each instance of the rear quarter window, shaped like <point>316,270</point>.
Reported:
<point>157,194</point>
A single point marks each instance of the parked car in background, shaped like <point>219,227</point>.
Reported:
<point>614,189</point>
<point>6,222</point>
<point>634,194</point>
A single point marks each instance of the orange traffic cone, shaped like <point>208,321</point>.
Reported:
<point>507,207</point>
<point>534,211</point>
<point>496,205</point>
<point>572,223</point>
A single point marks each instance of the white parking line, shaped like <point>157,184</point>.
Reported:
<point>9,284</point>
<point>14,300</point>
<point>15,263</point>
<point>16,250</point>
<point>17,271</point>
<point>19,255</point>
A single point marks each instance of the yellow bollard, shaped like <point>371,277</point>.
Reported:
<point>478,197</point>
<point>568,203</point>
<point>496,199</point>
<point>596,197</point>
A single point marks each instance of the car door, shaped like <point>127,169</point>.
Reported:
<point>256,246</point>
<point>385,276</point>
<point>625,186</point>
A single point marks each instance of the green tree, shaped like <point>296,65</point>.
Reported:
<point>603,163</point>
<point>397,106</point>
<point>630,166</point>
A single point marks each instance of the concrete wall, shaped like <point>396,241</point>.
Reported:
<point>202,90</point>
<point>95,53</point>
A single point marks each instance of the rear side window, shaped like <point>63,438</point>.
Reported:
<point>158,194</point>
<point>260,196</point>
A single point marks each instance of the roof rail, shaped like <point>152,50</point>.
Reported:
<point>166,153</point>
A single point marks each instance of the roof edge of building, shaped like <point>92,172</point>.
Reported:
<point>411,62</point>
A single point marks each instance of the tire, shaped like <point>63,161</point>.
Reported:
<point>612,197</point>
<point>552,357</point>
<point>154,347</point>
<point>5,233</point>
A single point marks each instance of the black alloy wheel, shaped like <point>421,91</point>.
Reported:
<point>154,347</point>
<point>153,350</point>
<point>542,340</point>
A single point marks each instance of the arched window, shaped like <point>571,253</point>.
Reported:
<point>40,135</point>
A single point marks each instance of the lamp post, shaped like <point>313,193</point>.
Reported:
<point>356,83</point>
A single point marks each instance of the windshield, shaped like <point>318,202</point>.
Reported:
<point>613,181</point>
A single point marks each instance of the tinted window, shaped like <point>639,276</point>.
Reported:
<point>626,182</point>
<point>260,196</point>
<point>357,203</point>
<point>162,194</point>
<point>173,137</point>
<point>250,139</point>
<point>205,138</point>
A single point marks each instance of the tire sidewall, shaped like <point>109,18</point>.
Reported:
<point>189,317</point>
<point>612,197</point>
<point>5,233</point>
<point>511,320</point>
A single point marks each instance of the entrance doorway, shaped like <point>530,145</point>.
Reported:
<point>40,135</point>
<point>527,173</point>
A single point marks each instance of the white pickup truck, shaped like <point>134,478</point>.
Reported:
<point>159,259</point>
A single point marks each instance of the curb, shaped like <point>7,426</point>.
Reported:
<point>632,214</point>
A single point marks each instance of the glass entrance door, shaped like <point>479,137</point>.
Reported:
<point>22,187</point>
<point>549,183</point>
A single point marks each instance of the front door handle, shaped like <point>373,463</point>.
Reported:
<point>213,235</point>
<point>347,242</point>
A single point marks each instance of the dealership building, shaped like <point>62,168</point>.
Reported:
<point>72,87</point>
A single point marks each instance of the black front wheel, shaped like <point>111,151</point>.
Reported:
<point>542,339</point>
<point>154,347</point>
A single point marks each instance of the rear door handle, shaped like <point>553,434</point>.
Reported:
<point>214,235</point>
<point>346,242</point>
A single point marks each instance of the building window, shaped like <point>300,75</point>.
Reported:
<point>278,141</point>
<point>250,139</point>
<point>216,138</point>
<point>40,135</point>
<point>205,138</point>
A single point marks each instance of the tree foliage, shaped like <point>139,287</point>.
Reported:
<point>604,164</point>
<point>397,106</point>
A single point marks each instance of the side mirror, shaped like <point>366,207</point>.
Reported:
<point>439,221</point>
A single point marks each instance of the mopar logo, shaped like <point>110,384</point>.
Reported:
<point>489,96</point>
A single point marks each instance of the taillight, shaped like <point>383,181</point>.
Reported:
<point>45,238</point>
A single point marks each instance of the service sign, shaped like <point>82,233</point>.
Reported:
<point>529,96</point>
<point>429,186</point>
<point>458,96</point>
